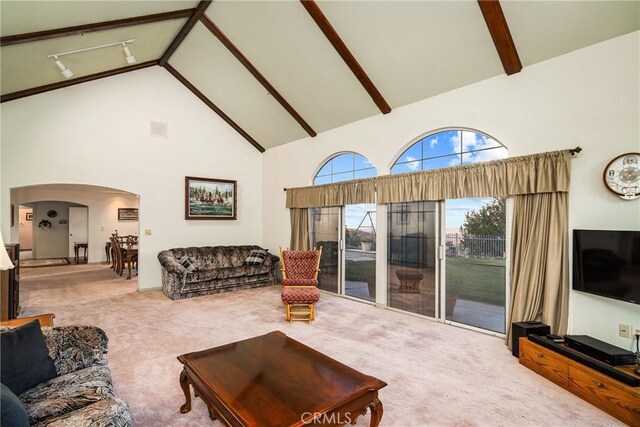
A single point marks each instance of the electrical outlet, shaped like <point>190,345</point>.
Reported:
<point>147,232</point>
<point>624,331</point>
<point>636,330</point>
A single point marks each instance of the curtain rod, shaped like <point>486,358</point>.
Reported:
<point>572,151</point>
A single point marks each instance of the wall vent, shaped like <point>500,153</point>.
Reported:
<point>159,129</point>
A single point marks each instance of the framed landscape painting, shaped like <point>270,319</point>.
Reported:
<point>127,214</point>
<point>207,198</point>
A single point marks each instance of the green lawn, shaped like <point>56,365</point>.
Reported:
<point>477,279</point>
<point>359,271</point>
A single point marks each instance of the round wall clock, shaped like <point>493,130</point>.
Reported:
<point>52,214</point>
<point>622,176</point>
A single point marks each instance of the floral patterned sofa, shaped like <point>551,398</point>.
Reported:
<point>217,269</point>
<point>82,394</point>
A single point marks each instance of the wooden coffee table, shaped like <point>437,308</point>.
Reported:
<point>274,380</point>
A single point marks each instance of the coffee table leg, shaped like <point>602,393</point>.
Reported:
<point>212,414</point>
<point>376,412</point>
<point>184,385</point>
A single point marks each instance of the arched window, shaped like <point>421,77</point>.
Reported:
<point>449,148</point>
<point>344,167</point>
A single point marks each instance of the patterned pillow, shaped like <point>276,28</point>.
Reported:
<point>187,264</point>
<point>256,257</point>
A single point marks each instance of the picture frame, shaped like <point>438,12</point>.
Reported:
<point>210,199</point>
<point>127,214</point>
<point>29,216</point>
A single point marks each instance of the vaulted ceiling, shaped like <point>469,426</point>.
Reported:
<point>278,71</point>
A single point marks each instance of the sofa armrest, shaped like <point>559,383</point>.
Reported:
<point>170,263</point>
<point>271,259</point>
<point>76,347</point>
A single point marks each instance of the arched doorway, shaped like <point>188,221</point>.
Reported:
<point>65,215</point>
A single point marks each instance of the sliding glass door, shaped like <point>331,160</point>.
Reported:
<point>446,260</point>
<point>347,237</point>
<point>411,257</point>
<point>360,251</point>
<point>325,233</point>
<point>475,255</point>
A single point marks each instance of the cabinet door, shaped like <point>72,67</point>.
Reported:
<point>621,401</point>
<point>550,365</point>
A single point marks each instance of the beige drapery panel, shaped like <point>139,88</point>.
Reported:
<point>299,228</point>
<point>539,261</point>
<point>338,194</point>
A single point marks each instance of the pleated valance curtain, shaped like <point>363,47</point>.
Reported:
<point>338,194</point>
<point>538,173</point>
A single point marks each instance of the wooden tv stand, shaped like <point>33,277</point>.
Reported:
<point>612,396</point>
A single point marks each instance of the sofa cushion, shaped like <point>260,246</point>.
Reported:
<point>67,393</point>
<point>25,360</point>
<point>201,276</point>
<point>12,411</point>
<point>299,282</point>
<point>111,412</point>
<point>256,257</point>
<point>300,295</point>
<point>76,347</point>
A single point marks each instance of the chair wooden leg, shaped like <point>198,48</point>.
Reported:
<point>287,312</point>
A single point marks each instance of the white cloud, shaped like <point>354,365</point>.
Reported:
<point>433,142</point>
<point>455,142</point>
<point>413,165</point>
<point>485,156</point>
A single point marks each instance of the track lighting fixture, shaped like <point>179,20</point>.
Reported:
<point>64,70</point>
<point>67,72</point>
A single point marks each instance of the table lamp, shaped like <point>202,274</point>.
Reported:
<point>5,262</point>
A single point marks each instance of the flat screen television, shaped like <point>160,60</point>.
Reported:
<point>607,263</point>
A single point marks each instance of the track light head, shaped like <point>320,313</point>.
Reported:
<point>130,58</point>
<point>67,73</point>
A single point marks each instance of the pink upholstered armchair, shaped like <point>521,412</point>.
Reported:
<point>300,283</point>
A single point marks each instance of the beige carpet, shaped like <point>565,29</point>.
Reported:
<point>438,375</point>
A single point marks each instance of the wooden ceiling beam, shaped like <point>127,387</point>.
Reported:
<point>213,106</point>
<point>98,26</point>
<point>59,85</point>
<point>499,30</point>
<point>325,26</point>
<point>185,30</point>
<point>255,73</point>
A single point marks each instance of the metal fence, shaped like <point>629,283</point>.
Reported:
<point>473,246</point>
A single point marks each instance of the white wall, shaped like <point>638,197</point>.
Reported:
<point>97,133</point>
<point>588,98</point>
<point>102,208</point>
<point>51,242</point>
